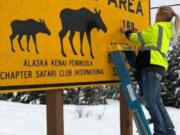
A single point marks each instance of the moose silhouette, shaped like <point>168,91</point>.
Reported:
<point>29,28</point>
<point>83,21</point>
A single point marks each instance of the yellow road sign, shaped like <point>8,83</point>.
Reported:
<point>56,44</point>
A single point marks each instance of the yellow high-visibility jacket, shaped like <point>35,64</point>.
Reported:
<point>154,44</point>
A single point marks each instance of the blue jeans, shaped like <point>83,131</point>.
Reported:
<point>153,102</point>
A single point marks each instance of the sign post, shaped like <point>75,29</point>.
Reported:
<point>125,117</point>
<point>55,118</point>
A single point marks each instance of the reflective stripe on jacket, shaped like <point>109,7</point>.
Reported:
<point>155,39</point>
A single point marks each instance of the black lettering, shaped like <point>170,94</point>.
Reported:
<point>38,74</point>
<point>35,63</point>
<point>25,63</point>
<point>113,1</point>
<point>80,63</point>
<point>63,73</point>
<point>139,8</point>
<point>45,73</point>
<point>89,72</point>
<point>58,63</point>
<point>27,74</point>
<point>128,25</point>
<point>130,4</point>
<point>15,75</point>
<point>122,3</point>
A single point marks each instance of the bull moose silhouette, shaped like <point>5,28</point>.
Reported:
<point>29,28</point>
<point>83,21</point>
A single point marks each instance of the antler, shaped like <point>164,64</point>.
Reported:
<point>42,20</point>
<point>97,12</point>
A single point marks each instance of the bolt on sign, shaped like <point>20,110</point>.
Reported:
<point>63,43</point>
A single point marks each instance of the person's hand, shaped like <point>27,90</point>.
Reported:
<point>123,30</point>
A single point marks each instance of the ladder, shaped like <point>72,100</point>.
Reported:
<point>117,57</point>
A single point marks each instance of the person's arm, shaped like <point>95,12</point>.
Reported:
<point>139,38</point>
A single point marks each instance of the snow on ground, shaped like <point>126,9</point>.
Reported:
<point>23,119</point>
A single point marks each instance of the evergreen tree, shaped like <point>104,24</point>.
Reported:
<point>171,81</point>
<point>29,97</point>
<point>71,96</point>
<point>79,96</point>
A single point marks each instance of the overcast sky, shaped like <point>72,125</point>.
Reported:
<point>156,3</point>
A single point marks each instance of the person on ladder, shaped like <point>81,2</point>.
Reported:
<point>152,64</point>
